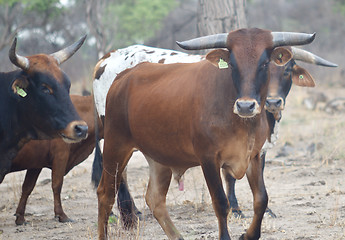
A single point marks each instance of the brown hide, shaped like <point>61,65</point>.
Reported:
<point>57,155</point>
<point>181,115</point>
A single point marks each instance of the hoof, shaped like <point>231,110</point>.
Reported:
<point>237,213</point>
<point>129,222</point>
<point>63,219</point>
<point>139,214</point>
<point>20,221</point>
<point>270,213</point>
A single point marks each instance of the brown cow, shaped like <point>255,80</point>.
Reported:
<point>281,79</point>
<point>57,155</point>
<point>208,113</point>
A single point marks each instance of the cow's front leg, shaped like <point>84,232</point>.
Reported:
<point>219,199</point>
<point>28,185</point>
<point>58,172</point>
<point>256,182</point>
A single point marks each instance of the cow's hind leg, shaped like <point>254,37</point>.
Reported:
<point>160,177</point>
<point>28,185</point>
<point>256,182</point>
<point>219,200</point>
<point>263,159</point>
<point>128,210</point>
<point>115,160</point>
<point>230,190</point>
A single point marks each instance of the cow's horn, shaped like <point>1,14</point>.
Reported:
<point>68,52</point>
<point>305,56</point>
<point>206,42</point>
<point>291,38</point>
<point>19,61</point>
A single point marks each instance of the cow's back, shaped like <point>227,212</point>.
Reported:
<point>115,62</point>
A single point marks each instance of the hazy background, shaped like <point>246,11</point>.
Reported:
<point>48,25</point>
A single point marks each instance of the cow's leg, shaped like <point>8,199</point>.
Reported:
<point>256,182</point>
<point>263,159</point>
<point>114,162</point>
<point>28,185</point>
<point>230,190</point>
<point>160,177</point>
<point>136,211</point>
<point>219,200</point>
<point>58,172</point>
<point>128,210</point>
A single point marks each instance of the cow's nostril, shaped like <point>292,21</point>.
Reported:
<point>279,102</point>
<point>81,130</point>
<point>238,105</point>
<point>252,107</point>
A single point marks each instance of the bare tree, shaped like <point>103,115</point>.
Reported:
<point>220,16</point>
<point>94,11</point>
<point>9,29</point>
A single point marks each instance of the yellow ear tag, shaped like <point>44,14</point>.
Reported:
<point>21,92</point>
<point>222,64</point>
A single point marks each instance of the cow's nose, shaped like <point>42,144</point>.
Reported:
<point>80,131</point>
<point>245,106</point>
<point>274,104</point>
<point>75,132</point>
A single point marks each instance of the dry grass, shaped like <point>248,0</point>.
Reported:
<point>306,191</point>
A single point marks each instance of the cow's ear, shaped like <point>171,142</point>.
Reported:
<point>301,77</point>
<point>219,58</point>
<point>19,87</point>
<point>281,56</point>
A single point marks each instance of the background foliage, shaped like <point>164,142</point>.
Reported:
<point>48,25</point>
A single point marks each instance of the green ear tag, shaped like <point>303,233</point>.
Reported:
<point>222,64</point>
<point>301,76</point>
<point>280,56</point>
<point>21,92</point>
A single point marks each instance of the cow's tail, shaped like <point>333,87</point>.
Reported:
<point>97,166</point>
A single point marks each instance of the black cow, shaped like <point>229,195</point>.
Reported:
<point>35,103</point>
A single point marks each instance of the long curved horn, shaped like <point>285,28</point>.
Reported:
<point>206,42</point>
<point>19,61</point>
<point>68,52</point>
<point>291,38</point>
<point>305,56</point>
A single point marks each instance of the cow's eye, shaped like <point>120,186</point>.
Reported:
<point>46,89</point>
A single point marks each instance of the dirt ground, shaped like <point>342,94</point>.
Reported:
<point>304,176</point>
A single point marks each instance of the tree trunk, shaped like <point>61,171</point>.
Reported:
<point>220,16</point>
<point>94,11</point>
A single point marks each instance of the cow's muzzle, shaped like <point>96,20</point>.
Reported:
<point>246,108</point>
<point>75,132</point>
<point>274,104</point>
